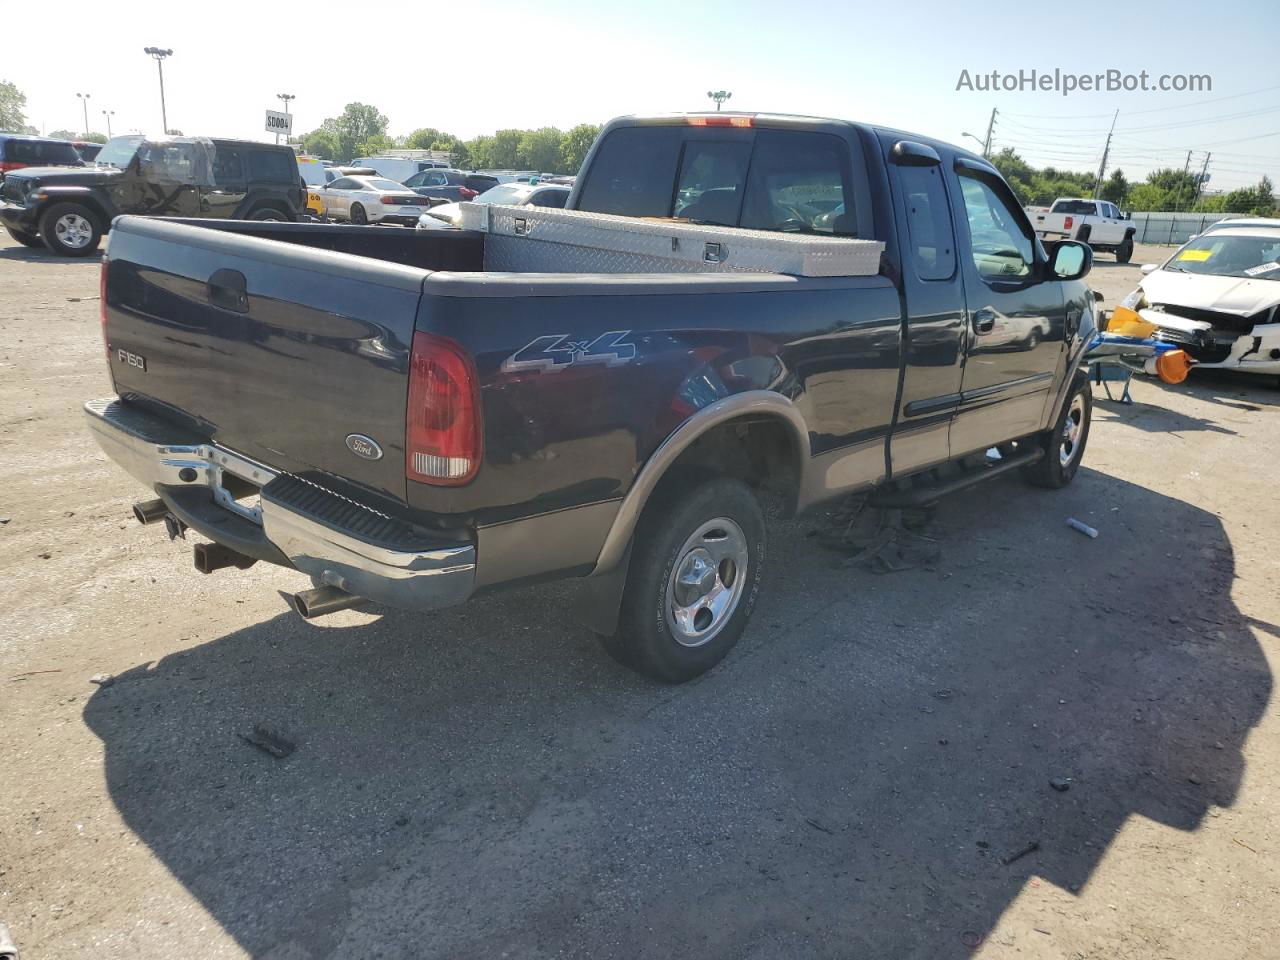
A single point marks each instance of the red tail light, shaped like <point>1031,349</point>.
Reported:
<point>1066,224</point>
<point>442,429</point>
<point>10,165</point>
<point>466,193</point>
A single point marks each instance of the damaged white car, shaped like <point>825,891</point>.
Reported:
<point>1218,298</point>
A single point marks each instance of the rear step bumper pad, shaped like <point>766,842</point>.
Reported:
<point>336,541</point>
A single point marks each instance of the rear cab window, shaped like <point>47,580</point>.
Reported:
<point>793,181</point>
<point>273,166</point>
<point>1081,208</point>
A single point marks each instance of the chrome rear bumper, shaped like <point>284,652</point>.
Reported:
<point>296,521</point>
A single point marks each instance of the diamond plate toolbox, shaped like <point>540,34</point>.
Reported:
<point>577,240</point>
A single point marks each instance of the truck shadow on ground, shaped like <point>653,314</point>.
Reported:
<point>485,782</point>
<point>42,255</point>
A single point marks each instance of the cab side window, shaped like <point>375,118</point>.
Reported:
<point>1000,249</point>
<point>227,168</point>
<point>928,222</point>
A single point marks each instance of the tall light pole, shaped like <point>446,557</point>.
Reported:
<point>108,114</point>
<point>158,54</point>
<point>84,102</point>
<point>286,97</point>
<point>719,96</point>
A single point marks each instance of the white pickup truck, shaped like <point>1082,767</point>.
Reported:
<point>1095,222</point>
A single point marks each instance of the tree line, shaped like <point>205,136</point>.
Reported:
<point>361,131</point>
<point>1165,189</point>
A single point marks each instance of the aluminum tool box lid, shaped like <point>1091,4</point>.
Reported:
<point>671,244</point>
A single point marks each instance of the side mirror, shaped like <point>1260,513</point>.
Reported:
<point>1149,268</point>
<point>1097,296</point>
<point>1071,260</point>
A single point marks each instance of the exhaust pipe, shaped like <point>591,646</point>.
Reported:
<point>150,511</point>
<point>322,600</point>
<point>214,556</point>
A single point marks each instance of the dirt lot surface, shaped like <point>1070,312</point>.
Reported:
<point>857,780</point>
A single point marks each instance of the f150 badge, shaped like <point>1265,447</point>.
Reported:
<point>132,359</point>
<point>557,351</point>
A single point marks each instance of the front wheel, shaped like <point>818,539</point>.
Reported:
<point>1124,252</point>
<point>24,238</point>
<point>1064,444</point>
<point>694,577</point>
<point>70,230</point>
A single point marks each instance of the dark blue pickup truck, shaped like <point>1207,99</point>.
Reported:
<point>418,418</point>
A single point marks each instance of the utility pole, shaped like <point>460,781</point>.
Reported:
<point>158,54</point>
<point>991,125</point>
<point>1204,171</point>
<point>1102,167</point>
<point>84,102</point>
<point>286,97</point>
<point>108,114</point>
<point>719,96</point>
<point>1173,220</point>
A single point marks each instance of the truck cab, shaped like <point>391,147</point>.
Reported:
<point>1098,223</point>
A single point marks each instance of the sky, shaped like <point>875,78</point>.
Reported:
<point>557,63</point>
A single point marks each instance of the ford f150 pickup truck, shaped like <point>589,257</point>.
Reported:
<point>416,419</point>
<point>1095,222</point>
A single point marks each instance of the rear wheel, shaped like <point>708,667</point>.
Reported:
<point>270,214</point>
<point>24,238</point>
<point>358,215</point>
<point>1064,444</point>
<point>693,580</point>
<point>1124,252</point>
<point>70,230</point>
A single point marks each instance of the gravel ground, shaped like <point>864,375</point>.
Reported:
<point>857,780</point>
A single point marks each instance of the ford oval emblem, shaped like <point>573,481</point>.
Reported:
<point>364,447</point>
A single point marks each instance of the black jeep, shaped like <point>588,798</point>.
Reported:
<point>70,209</point>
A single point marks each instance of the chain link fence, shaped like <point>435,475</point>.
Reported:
<point>1167,227</point>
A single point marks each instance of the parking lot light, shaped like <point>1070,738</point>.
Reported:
<point>159,54</point>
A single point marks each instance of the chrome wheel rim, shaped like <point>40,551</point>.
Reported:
<point>73,230</point>
<point>707,582</point>
<point>1069,449</point>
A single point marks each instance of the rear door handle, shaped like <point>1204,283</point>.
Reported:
<point>984,321</point>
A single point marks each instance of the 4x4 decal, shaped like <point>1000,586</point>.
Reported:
<point>557,351</point>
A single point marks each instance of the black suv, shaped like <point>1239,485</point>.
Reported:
<point>18,150</point>
<point>69,210</point>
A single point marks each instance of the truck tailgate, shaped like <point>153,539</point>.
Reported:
<point>275,350</point>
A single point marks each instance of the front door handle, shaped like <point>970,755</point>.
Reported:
<point>984,321</point>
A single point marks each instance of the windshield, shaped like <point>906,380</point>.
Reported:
<point>117,152</point>
<point>1218,255</point>
<point>508,193</point>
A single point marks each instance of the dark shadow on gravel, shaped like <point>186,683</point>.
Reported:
<point>484,782</point>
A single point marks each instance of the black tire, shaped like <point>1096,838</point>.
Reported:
<point>271,214</point>
<point>1062,457</point>
<point>358,215</point>
<point>64,221</point>
<point>1032,341</point>
<point>1124,252</point>
<point>687,516</point>
<point>1083,235</point>
<point>24,238</point>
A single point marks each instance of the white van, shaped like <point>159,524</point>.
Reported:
<point>399,169</point>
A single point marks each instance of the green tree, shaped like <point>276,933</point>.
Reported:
<point>540,150</point>
<point>1116,188</point>
<point>505,149</point>
<point>456,149</point>
<point>575,144</point>
<point>64,135</point>
<point>481,152</point>
<point>321,143</point>
<point>95,138</point>
<point>423,138</point>
<point>1017,172</point>
<point>13,105</point>
<point>1148,196</point>
<point>1264,198</point>
<point>378,143</point>
<point>357,125</point>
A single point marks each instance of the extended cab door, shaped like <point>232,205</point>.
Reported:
<point>934,286</point>
<point>1016,318</point>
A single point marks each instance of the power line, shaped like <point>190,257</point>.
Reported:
<point>1130,113</point>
